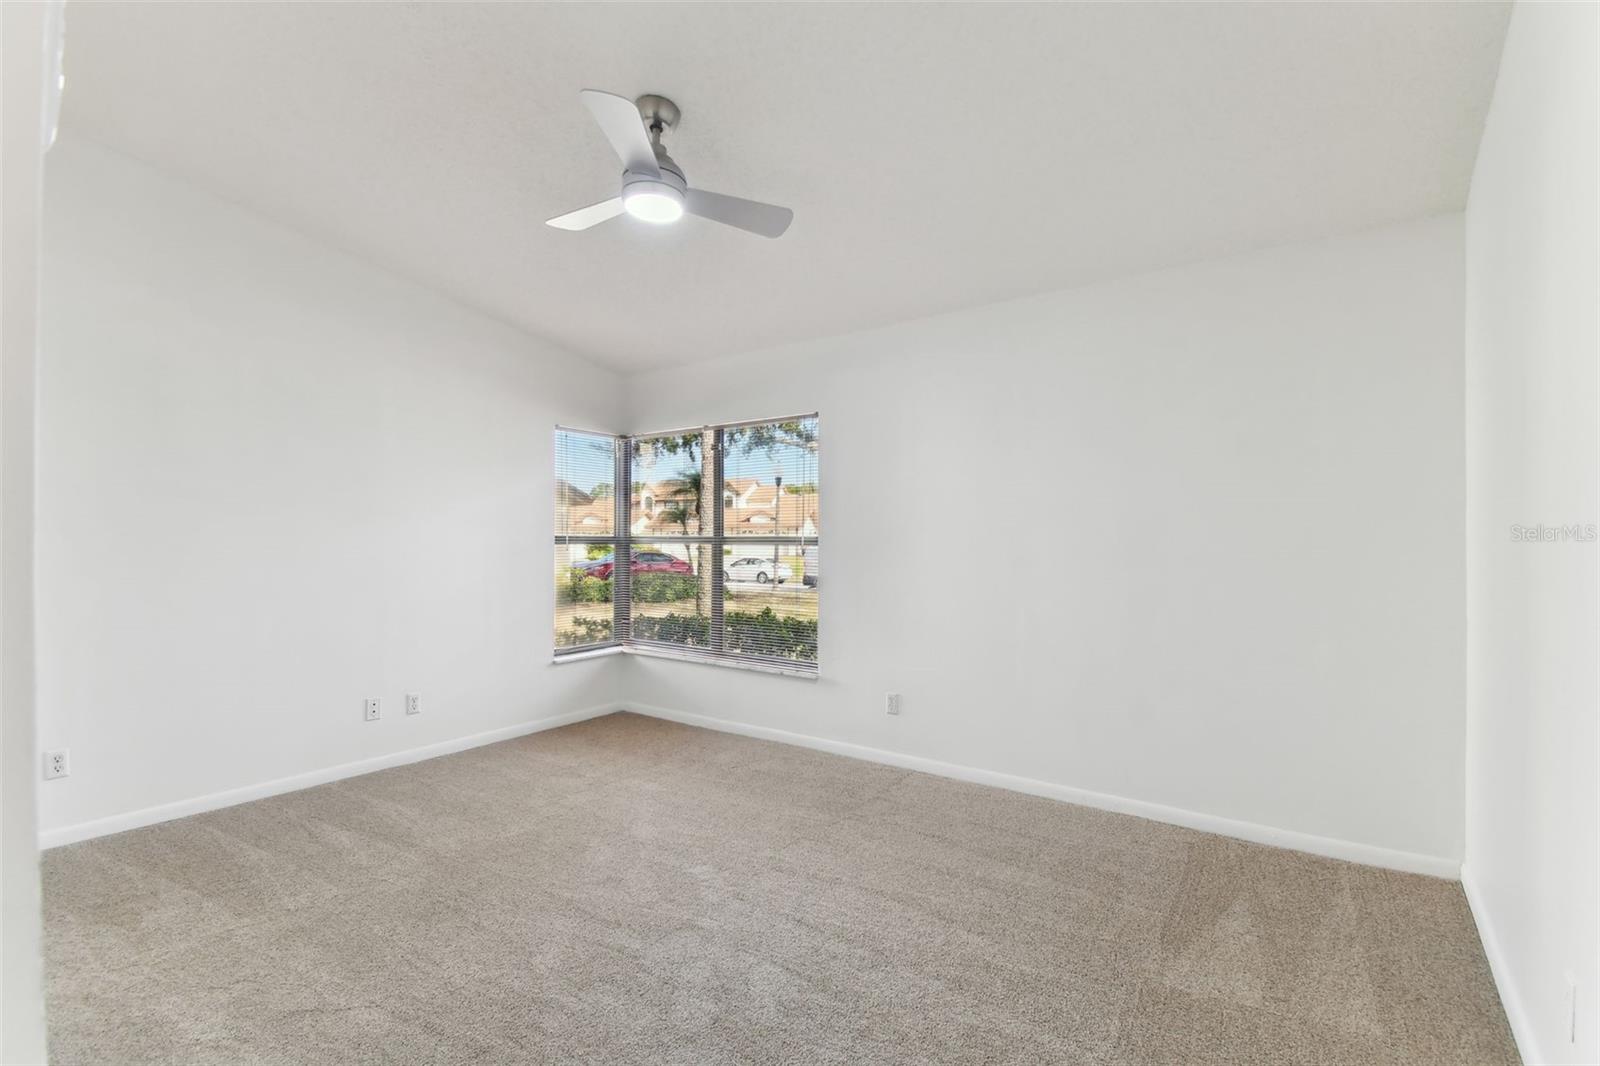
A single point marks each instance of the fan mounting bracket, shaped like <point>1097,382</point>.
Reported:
<point>657,110</point>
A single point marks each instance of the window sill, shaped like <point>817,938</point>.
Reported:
<point>709,660</point>
<point>585,656</point>
<point>682,657</point>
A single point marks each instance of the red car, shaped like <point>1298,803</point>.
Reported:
<point>645,562</point>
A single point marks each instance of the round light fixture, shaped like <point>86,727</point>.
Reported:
<point>653,201</point>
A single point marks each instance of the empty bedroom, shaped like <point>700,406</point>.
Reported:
<point>800,533</point>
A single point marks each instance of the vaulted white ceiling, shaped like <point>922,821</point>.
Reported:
<point>936,156</point>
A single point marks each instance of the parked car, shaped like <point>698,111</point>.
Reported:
<point>652,562</point>
<point>589,566</point>
<point>753,568</point>
<point>644,562</point>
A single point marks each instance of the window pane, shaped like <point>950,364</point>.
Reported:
<point>670,476</point>
<point>672,595</point>
<point>583,595</point>
<point>769,479</point>
<point>585,468</point>
<point>770,602</point>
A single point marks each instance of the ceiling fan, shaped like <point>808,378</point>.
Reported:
<point>653,186</point>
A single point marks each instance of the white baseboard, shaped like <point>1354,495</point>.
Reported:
<point>1331,847</point>
<point>1350,851</point>
<point>1510,1001</point>
<point>116,823</point>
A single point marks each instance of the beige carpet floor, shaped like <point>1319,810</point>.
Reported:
<point>628,890</point>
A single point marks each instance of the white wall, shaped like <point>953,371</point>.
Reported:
<point>1533,458</point>
<point>23,38</point>
<point>275,481</point>
<point>1193,539</point>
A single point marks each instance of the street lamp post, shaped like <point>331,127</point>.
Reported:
<point>777,525</point>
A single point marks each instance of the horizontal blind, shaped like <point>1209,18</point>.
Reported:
<point>721,527</point>
<point>586,539</point>
<point>672,527</point>
<point>771,511</point>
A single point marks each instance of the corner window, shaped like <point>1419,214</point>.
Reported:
<point>721,526</point>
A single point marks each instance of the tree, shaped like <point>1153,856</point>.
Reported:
<point>682,444</point>
<point>679,514</point>
<point>601,491</point>
<point>770,435</point>
<point>689,492</point>
<point>686,493</point>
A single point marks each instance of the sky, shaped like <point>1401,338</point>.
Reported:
<point>585,461</point>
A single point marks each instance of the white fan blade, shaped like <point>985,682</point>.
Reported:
<point>766,219</point>
<point>584,217</point>
<point>620,122</point>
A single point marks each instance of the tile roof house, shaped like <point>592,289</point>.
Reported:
<point>581,513</point>
<point>748,511</point>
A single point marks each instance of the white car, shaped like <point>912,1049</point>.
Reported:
<point>755,568</point>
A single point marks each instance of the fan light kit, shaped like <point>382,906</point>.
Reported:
<point>653,186</point>
<point>652,201</point>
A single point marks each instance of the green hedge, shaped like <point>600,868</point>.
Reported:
<point>674,629</point>
<point>649,587</point>
<point>585,631</point>
<point>664,587</point>
<point>764,631</point>
<point>582,588</point>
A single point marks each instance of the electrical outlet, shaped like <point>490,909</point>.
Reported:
<point>413,703</point>
<point>56,764</point>
<point>374,709</point>
<point>891,703</point>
